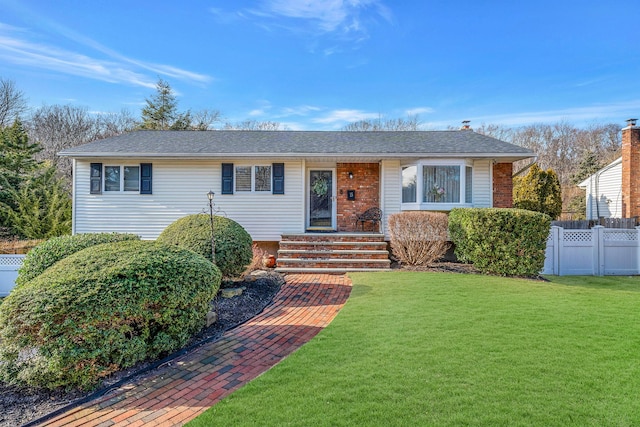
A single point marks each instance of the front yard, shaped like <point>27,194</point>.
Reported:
<point>413,348</point>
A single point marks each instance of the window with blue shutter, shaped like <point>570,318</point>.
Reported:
<point>95,180</point>
<point>227,178</point>
<point>145,178</point>
<point>278,178</point>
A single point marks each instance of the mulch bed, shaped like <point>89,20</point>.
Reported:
<point>20,405</point>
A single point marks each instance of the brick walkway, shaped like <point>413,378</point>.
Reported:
<point>192,383</point>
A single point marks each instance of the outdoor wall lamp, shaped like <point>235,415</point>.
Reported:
<point>350,175</point>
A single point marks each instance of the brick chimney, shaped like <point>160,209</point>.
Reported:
<point>631,170</point>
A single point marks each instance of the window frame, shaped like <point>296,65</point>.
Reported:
<point>252,168</point>
<point>419,204</point>
<point>121,171</point>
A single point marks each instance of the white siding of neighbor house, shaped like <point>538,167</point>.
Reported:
<point>391,190</point>
<point>482,184</point>
<point>604,192</point>
<point>179,189</point>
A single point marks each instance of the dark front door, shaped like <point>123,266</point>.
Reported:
<point>321,209</point>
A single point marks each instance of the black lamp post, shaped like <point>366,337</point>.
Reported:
<point>210,195</point>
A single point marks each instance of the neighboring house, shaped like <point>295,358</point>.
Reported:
<point>614,191</point>
<point>276,183</point>
<point>604,192</point>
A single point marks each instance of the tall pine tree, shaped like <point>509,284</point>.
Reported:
<point>17,163</point>
<point>161,111</point>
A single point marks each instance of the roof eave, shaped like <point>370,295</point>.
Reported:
<point>78,155</point>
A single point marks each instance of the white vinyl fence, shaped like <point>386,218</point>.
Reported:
<point>596,252</point>
<point>9,265</point>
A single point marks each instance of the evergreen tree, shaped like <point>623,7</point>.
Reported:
<point>161,111</point>
<point>17,164</point>
<point>41,206</point>
<point>538,191</point>
<point>589,164</point>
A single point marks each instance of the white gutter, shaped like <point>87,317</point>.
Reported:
<point>112,154</point>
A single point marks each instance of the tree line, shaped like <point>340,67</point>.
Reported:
<point>35,182</point>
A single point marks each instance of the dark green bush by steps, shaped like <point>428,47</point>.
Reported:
<point>233,243</point>
<point>507,242</point>
<point>103,309</point>
<point>53,250</point>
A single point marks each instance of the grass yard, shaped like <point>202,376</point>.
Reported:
<point>442,349</point>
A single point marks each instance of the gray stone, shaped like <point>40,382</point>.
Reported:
<point>212,317</point>
<point>231,292</point>
<point>258,273</point>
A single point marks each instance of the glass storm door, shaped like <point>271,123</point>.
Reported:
<point>321,209</point>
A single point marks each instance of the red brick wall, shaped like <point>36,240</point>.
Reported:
<point>366,182</point>
<point>630,171</point>
<point>502,185</point>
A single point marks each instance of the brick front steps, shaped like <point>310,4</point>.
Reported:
<point>332,253</point>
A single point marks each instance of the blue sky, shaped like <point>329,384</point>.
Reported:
<point>322,64</point>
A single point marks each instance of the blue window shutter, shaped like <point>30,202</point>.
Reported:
<point>146,178</point>
<point>278,178</point>
<point>227,178</point>
<point>95,180</point>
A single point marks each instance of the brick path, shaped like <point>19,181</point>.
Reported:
<point>192,383</point>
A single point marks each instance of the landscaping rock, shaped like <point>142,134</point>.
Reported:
<point>231,292</point>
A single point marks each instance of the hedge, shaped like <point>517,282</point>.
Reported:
<point>507,242</point>
<point>103,309</point>
<point>53,250</point>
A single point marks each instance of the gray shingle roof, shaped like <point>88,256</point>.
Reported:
<point>222,143</point>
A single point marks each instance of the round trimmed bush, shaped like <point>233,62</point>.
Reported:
<point>53,250</point>
<point>233,243</point>
<point>103,309</point>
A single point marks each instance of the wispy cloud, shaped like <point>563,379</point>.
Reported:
<point>302,110</point>
<point>419,110</point>
<point>613,112</point>
<point>17,46</point>
<point>341,117</point>
<point>347,19</point>
<point>616,112</point>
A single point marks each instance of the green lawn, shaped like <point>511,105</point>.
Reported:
<point>450,349</point>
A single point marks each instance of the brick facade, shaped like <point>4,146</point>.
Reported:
<point>366,183</point>
<point>502,185</point>
<point>631,172</point>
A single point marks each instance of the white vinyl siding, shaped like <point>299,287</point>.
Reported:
<point>179,189</point>
<point>391,185</point>
<point>604,192</point>
<point>482,185</point>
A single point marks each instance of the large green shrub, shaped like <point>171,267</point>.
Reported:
<point>103,309</point>
<point>53,250</point>
<point>508,242</point>
<point>233,243</point>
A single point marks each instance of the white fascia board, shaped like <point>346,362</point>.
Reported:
<point>509,156</point>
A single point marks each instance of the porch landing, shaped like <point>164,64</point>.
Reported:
<point>335,253</point>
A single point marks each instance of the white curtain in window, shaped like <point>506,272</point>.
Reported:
<point>441,184</point>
